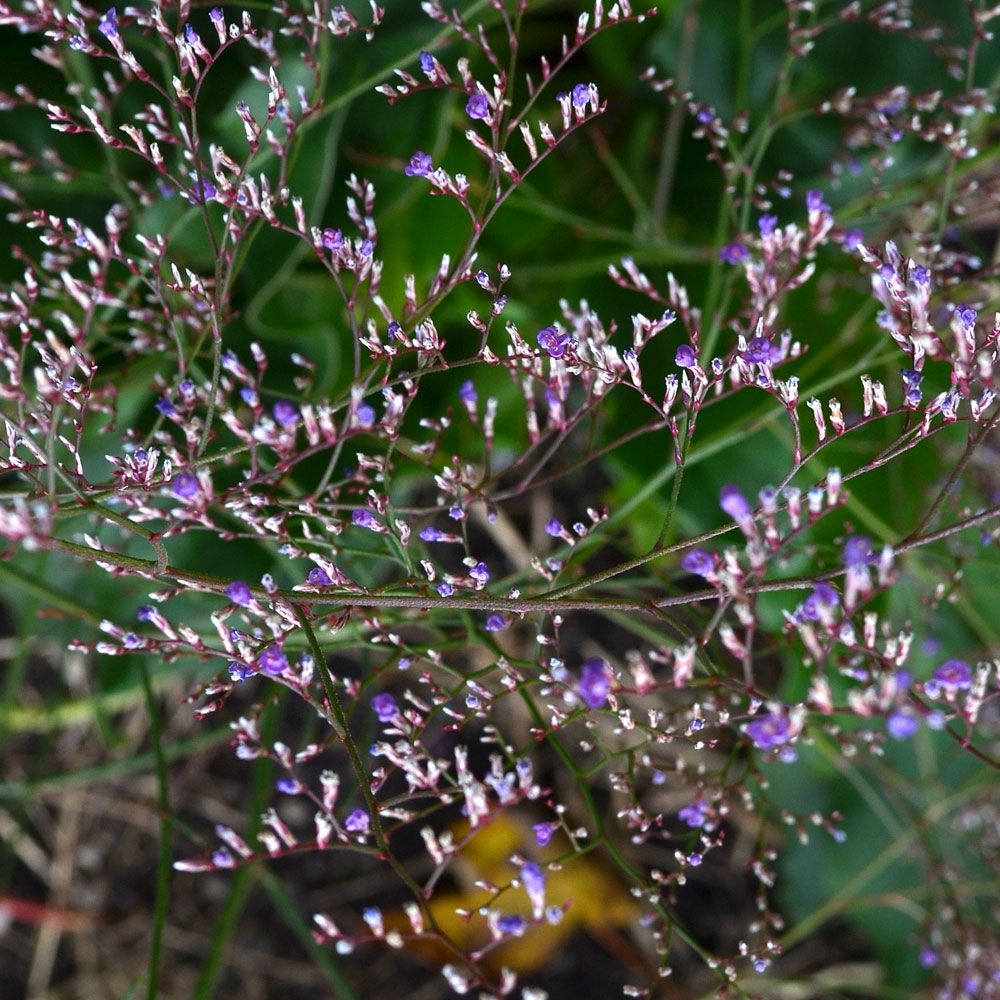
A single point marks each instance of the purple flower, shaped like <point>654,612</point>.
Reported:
<point>272,661</point>
<point>512,924</point>
<point>911,378</point>
<point>480,573</point>
<point>319,577</point>
<point>165,406</point>
<point>768,731</point>
<point>815,203</point>
<point>202,191</point>
<point>823,595</point>
<point>580,95</point>
<point>216,15</point>
<point>852,239</point>
<point>901,724</point>
<point>239,593</point>
<point>185,485</point>
<point>357,822</point>
<point>533,880</point>
<point>734,253</point>
<point>695,815</point>
<point>699,562</point>
<point>333,239</point>
<point>287,786</point>
<point>286,413</point>
<point>685,357</point>
<point>767,224</point>
<point>543,833</point>
<point>735,504</point>
<point>953,675</point>
<point>858,552</point>
<point>467,393</point>
<point>431,534</point>
<point>190,35</point>
<point>478,107</point>
<point>239,672</point>
<point>595,682</point>
<point>758,351</point>
<point>427,62</point>
<point>365,415</point>
<point>365,519</point>
<point>385,707</point>
<point>967,316</point>
<point>553,342</point>
<point>145,613</point>
<point>921,275</point>
<point>445,589</point>
<point>554,528</point>
<point>496,623</point>
<point>108,25</point>
<point>420,165</point>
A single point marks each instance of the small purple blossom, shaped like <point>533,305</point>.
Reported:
<point>966,316</point>
<point>685,357</point>
<point>595,682</point>
<point>543,833</point>
<point>769,731</point>
<point>696,815</point>
<point>511,925</point>
<point>287,786</point>
<point>145,613</point>
<point>384,706</point>
<point>431,534</point>
<point>553,341</point>
<point>165,407</point>
<point>496,623</point>
<point>273,661</point>
<point>699,562</point>
<point>901,724</point>
<point>921,275</point>
<point>239,593</point>
<point>767,224</point>
<point>365,415</point>
<point>858,552</point>
<point>533,880</point>
<point>554,527</point>
<point>480,573</point>
<point>478,107</point>
<point>953,676</point>
<point>427,62</point>
<point>285,413</point>
<point>216,15</point>
<point>332,239</point>
<point>420,165</point>
<point>734,253</point>
<point>823,595</point>
<point>580,95</point>
<point>852,239</point>
<point>319,577</point>
<point>202,191</point>
<point>445,589</point>
<point>815,203</point>
<point>467,393</point>
<point>735,504</point>
<point>357,822</point>
<point>758,351</point>
<point>185,485</point>
<point>365,519</point>
<point>108,25</point>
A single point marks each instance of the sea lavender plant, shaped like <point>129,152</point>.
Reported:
<point>588,583</point>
